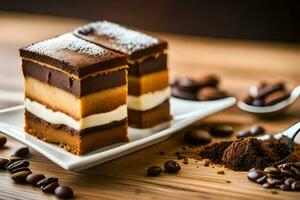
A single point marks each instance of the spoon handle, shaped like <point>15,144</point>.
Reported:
<point>291,133</point>
<point>296,91</point>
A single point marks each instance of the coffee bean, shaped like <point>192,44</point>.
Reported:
<point>285,166</point>
<point>261,180</point>
<point>289,181</point>
<point>257,130</point>
<point>197,137</point>
<point>258,102</point>
<point>3,162</point>
<point>287,172</point>
<point>50,188</point>
<point>255,174</point>
<point>47,181</point>
<point>295,170</point>
<point>172,167</point>
<point>267,185</point>
<point>210,93</point>
<point>244,133</point>
<point>17,164</point>
<point>33,179</point>
<point>21,152</point>
<point>208,80</point>
<point>264,91</point>
<point>273,181</point>
<point>276,97</point>
<point>272,170</point>
<point>20,177</point>
<point>221,130</point>
<point>296,186</point>
<point>285,187</point>
<point>64,192</point>
<point>3,141</point>
<point>187,85</point>
<point>297,164</point>
<point>154,171</point>
<point>176,92</point>
<point>20,169</point>
<point>12,160</point>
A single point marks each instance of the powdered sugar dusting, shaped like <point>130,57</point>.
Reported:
<point>124,40</point>
<point>66,42</point>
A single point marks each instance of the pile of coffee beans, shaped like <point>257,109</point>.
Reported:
<point>268,94</point>
<point>201,89</point>
<point>255,130</point>
<point>284,176</point>
<point>170,166</point>
<point>22,174</point>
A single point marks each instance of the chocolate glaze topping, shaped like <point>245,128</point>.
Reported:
<point>73,55</point>
<point>133,43</point>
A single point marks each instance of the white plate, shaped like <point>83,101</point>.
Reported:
<point>184,113</point>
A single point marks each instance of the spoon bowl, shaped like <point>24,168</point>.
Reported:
<point>272,109</point>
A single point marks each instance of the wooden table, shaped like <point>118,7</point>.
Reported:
<point>239,63</point>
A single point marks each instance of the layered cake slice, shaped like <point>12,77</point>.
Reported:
<point>75,93</point>
<point>148,83</point>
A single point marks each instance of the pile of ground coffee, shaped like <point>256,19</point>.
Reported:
<point>242,154</point>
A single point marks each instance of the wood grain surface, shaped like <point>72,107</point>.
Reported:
<point>238,63</point>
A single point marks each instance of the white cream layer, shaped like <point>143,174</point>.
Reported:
<point>149,100</point>
<point>53,117</point>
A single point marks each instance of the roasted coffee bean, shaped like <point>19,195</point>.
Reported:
<point>255,174</point>
<point>267,185</point>
<point>267,89</point>
<point>33,179</point>
<point>258,102</point>
<point>272,170</point>
<point>20,177</point>
<point>296,186</point>
<point>210,93</point>
<point>244,133</point>
<point>20,169</point>
<point>50,188</point>
<point>154,171</point>
<point>257,130</point>
<point>187,85</point>
<point>285,187</point>
<point>47,181</point>
<point>295,170</point>
<point>273,181</point>
<point>3,162</point>
<point>285,166</point>
<point>17,164</point>
<point>287,172</point>
<point>276,176</point>
<point>208,80</point>
<point>176,92</point>
<point>276,97</point>
<point>297,164</point>
<point>261,180</point>
<point>289,181</point>
<point>3,141</point>
<point>12,160</point>
<point>221,130</point>
<point>64,192</point>
<point>172,167</point>
<point>21,152</point>
<point>197,137</point>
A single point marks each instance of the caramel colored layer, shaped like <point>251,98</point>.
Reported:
<point>150,118</point>
<point>148,83</point>
<point>76,144</point>
<point>59,100</point>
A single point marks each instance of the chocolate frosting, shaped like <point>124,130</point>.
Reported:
<point>76,87</point>
<point>133,43</point>
<point>73,55</point>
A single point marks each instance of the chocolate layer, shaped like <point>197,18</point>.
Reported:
<point>77,87</point>
<point>74,131</point>
<point>149,65</point>
<point>73,55</point>
<point>119,38</point>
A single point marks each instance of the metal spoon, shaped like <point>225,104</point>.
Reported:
<point>288,136</point>
<point>280,106</point>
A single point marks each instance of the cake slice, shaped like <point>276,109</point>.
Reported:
<point>75,93</point>
<point>148,82</point>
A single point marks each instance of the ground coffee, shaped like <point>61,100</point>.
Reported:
<point>242,154</point>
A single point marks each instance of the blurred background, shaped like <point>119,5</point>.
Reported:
<point>241,40</point>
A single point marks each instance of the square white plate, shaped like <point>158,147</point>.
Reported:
<point>184,113</point>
